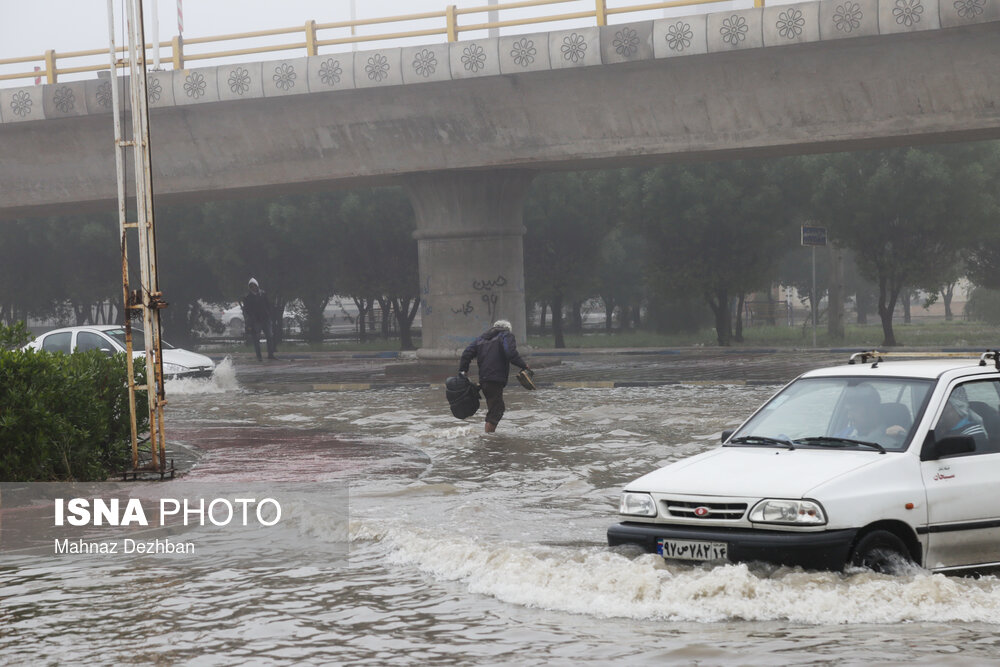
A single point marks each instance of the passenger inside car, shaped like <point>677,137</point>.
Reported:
<point>958,418</point>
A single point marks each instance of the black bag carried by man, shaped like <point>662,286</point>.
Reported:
<point>462,395</point>
<point>524,377</point>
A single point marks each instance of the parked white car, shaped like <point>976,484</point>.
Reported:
<point>872,464</point>
<point>110,339</point>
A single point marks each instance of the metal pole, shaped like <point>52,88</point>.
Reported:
<point>122,222</point>
<point>149,293</point>
<point>814,302</point>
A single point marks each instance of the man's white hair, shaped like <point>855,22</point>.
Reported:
<point>502,324</point>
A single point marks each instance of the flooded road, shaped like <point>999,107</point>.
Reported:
<point>469,548</point>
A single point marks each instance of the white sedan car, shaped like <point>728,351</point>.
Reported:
<point>110,339</point>
<point>869,465</point>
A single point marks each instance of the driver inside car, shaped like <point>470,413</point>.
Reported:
<point>865,418</point>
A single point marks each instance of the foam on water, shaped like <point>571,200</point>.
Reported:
<point>605,583</point>
<point>223,380</point>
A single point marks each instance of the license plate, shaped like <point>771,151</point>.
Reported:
<point>692,550</point>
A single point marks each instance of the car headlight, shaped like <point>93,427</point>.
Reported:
<point>174,369</point>
<point>792,512</point>
<point>637,504</point>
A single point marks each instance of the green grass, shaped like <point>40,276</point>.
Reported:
<point>958,333</point>
<point>936,334</point>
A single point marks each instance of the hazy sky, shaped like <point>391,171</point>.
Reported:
<point>30,27</point>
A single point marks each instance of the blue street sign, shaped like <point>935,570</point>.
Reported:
<point>812,235</point>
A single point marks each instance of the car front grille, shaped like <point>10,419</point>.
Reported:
<point>684,509</point>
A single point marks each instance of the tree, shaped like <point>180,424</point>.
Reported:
<point>620,275</point>
<point>567,217</point>
<point>906,213</point>
<point>186,269</point>
<point>377,255</point>
<point>306,226</point>
<point>250,245</point>
<point>716,229</point>
<point>25,250</point>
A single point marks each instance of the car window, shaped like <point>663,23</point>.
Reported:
<point>973,409</point>
<point>137,334</point>
<point>57,342</point>
<point>87,340</point>
<point>876,410</point>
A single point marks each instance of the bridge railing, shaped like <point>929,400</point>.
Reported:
<point>449,23</point>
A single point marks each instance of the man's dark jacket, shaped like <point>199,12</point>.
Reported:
<point>256,309</point>
<point>494,351</point>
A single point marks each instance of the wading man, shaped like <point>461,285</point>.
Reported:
<point>494,352</point>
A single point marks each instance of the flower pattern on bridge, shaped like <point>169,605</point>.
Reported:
<point>377,68</point>
<point>523,52</point>
<point>734,30</point>
<point>284,76</point>
<point>104,94</point>
<point>574,47</point>
<point>20,103</point>
<point>907,12</point>
<point>64,99</point>
<point>970,9</point>
<point>790,23</point>
<point>330,72</point>
<point>239,81</point>
<point>194,85</point>
<point>474,58</point>
<point>847,17</point>
<point>154,90</point>
<point>626,42</point>
<point>679,36</point>
<point>425,63</point>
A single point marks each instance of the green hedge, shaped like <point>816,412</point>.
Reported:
<point>65,416</point>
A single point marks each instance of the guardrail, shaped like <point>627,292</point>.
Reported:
<point>446,22</point>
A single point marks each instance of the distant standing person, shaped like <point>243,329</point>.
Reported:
<point>257,314</point>
<point>494,351</point>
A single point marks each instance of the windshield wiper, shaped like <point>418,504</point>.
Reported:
<point>831,441</point>
<point>762,440</point>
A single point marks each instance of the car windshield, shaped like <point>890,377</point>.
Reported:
<point>137,334</point>
<point>839,412</point>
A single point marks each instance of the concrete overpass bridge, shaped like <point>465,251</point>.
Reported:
<point>464,125</point>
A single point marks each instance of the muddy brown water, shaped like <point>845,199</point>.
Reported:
<point>467,548</point>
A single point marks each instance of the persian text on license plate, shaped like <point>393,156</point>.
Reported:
<point>692,550</point>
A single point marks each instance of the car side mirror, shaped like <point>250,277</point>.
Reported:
<point>725,434</point>
<point>953,445</point>
<point>108,352</point>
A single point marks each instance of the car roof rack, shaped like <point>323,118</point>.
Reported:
<point>877,357</point>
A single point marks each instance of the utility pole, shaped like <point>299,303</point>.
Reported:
<point>147,299</point>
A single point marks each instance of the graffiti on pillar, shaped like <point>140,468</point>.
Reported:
<point>488,285</point>
<point>491,304</point>
<point>425,292</point>
<point>464,310</point>
<point>489,298</point>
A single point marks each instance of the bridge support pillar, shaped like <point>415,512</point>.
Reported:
<point>471,256</point>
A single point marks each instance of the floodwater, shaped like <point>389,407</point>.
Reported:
<point>467,548</point>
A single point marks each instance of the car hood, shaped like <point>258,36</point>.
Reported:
<point>184,358</point>
<point>755,472</point>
